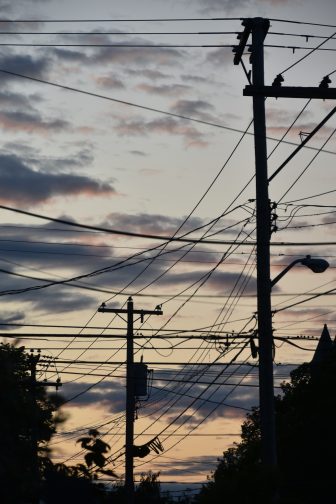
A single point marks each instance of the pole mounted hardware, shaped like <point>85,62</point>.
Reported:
<point>278,91</point>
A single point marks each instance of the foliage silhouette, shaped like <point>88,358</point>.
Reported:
<point>306,446</point>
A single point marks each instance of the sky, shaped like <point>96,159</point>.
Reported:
<point>101,130</point>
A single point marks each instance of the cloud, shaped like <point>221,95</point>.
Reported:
<point>110,82</point>
<point>190,465</point>
<point>139,57</point>
<point>137,153</point>
<point>222,281</point>
<point>166,125</point>
<point>8,317</point>
<point>221,6</point>
<point>30,122</point>
<point>148,73</point>
<point>276,3</point>
<point>56,299</point>
<point>164,89</point>
<point>150,223</point>
<point>20,183</point>
<point>195,108</point>
<point>110,393</point>
<point>220,57</point>
<point>27,65</point>
<point>9,99</point>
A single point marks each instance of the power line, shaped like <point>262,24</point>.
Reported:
<point>94,33</point>
<point>143,107</point>
<point>172,46</point>
<point>306,55</point>
<point>302,22</point>
<point>116,20</point>
<point>134,46</point>
<point>127,33</point>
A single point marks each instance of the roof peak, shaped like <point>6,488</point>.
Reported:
<point>324,346</point>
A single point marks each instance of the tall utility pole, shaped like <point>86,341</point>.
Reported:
<point>263,216</point>
<point>258,28</point>
<point>130,389</point>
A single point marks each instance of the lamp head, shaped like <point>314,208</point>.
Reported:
<point>315,265</point>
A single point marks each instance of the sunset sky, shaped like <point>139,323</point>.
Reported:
<point>99,129</point>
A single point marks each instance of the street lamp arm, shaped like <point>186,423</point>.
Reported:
<point>283,272</point>
<point>314,264</point>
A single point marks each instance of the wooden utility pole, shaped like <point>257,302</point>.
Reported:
<point>258,28</point>
<point>130,395</point>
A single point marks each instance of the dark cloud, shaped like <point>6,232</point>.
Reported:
<point>59,299</point>
<point>31,122</point>
<point>150,223</point>
<point>276,3</point>
<point>110,393</point>
<point>190,465</point>
<point>5,7</point>
<point>221,6</point>
<point>23,64</point>
<point>164,89</point>
<point>196,108</point>
<point>56,299</point>
<point>9,99</point>
<point>21,183</point>
<point>222,281</point>
<point>166,125</point>
<point>71,55</point>
<point>8,317</point>
<point>220,57</point>
<point>139,57</point>
<point>197,79</point>
<point>148,73</point>
<point>76,159</point>
<point>138,153</point>
<point>110,82</point>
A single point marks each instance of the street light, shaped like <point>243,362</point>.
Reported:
<point>315,265</point>
<point>266,386</point>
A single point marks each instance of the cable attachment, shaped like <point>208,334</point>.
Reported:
<point>144,450</point>
<point>278,81</point>
<point>254,349</point>
<point>324,84</point>
<point>274,217</point>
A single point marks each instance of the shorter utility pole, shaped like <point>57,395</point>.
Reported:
<point>33,384</point>
<point>130,388</point>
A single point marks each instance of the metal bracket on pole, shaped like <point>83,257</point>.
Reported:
<point>243,38</point>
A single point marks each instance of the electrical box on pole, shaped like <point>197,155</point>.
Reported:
<point>140,379</point>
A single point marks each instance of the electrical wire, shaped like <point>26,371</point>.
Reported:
<point>142,107</point>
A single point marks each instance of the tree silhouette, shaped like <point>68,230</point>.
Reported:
<point>306,446</point>
<point>29,417</point>
<point>21,419</point>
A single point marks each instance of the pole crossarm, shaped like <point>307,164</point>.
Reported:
<point>290,92</point>
<point>243,38</point>
<point>103,309</point>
